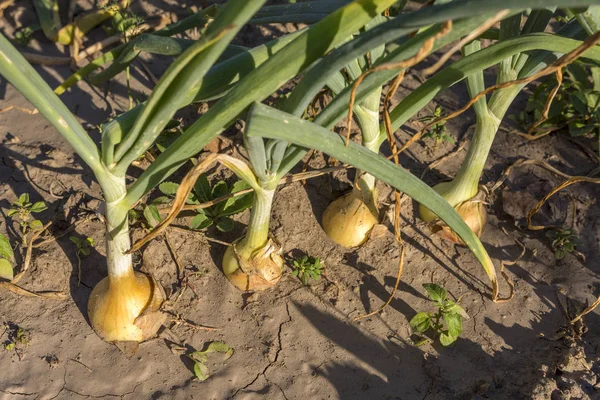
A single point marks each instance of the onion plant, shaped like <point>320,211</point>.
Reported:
<point>125,306</point>
<point>122,306</point>
<point>349,219</point>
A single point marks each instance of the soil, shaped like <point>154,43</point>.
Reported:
<point>297,341</point>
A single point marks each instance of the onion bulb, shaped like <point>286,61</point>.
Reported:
<point>349,219</point>
<point>126,307</point>
<point>259,270</point>
<point>472,211</point>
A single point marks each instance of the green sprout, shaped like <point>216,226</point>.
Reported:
<point>22,209</point>
<point>437,132</point>
<point>84,248</point>
<point>24,35</point>
<point>448,311</point>
<point>307,267</point>
<point>563,242</point>
<point>18,339</point>
<point>126,24</point>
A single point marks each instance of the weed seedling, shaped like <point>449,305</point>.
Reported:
<point>563,242</point>
<point>307,267</point>
<point>218,215</point>
<point>22,209</point>
<point>24,35</point>
<point>84,248</point>
<point>448,312</point>
<point>18,339</point>
<point>438,131</point>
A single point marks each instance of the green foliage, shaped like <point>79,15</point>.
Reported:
<point>563,242</point>
<point>18,338</point>
<point>448,311</point>
<point>218,214</point>
<point>124,22</point>
<point>21,211</point>
<point>200,358</point>
<point>84,246</point>
<point>576,105</point>
<point>436,132</point>
<point>306,267</point>
<point>24,35</point>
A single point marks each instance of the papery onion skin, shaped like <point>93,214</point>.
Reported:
<point>265,269</point>
<point>348,220</point>
<point>117,301</point>
<point>475,216</point>
<point>472,211</point>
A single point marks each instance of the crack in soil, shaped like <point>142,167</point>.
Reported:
<point>19,393</point>
<point>89,396</point>
<point>263,373</point>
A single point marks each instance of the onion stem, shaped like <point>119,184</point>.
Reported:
<point>367,114</point>
<point>257,234</point>
<point>466,183</point>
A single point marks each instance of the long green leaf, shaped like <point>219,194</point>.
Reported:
<point>217,81</point>
<point>267,122</point>
<point>479,9</point>
<point>338,108</point>
<point>480,60</point>
<point>173,90</point>
<point>27,81</point>
<point>260,83</point>
<point>307,12</point>
<point>193,21</point>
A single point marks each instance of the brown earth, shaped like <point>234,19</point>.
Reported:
<point>296,341</point>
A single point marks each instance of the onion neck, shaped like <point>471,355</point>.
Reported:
<point>119,264</point>
<point>367,114</point>
<point>257,234</point>
<point>466,183</point>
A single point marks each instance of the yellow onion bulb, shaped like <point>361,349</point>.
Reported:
<point>472,212</point>
<point>348,220</point>
<point>126,308</point>
<point>261,271</point>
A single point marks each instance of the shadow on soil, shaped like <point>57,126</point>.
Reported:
<point>516,361</point>
<point>20,182</point>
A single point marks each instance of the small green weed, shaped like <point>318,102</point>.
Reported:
<point>306,267</point>
<point>438,131</point>
<point>22,211</point>
<point>84,248</point>
<point>218,215</point>
<point>563,242</point>
<point>448,312</point>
